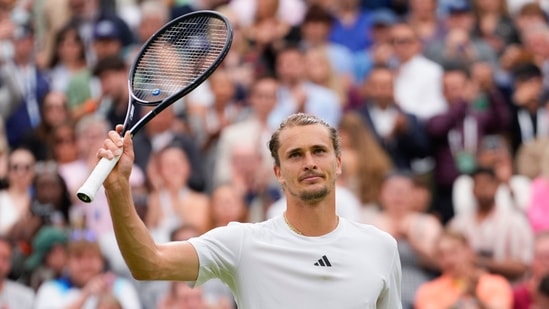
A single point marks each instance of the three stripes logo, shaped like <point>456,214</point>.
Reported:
<point>323,262</point>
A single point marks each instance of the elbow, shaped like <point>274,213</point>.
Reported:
<point>140,274</point>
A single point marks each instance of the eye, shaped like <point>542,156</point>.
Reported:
<point>294,155</point>
<point>319,151</point>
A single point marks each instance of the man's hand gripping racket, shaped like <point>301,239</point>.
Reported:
<point>173,62</point>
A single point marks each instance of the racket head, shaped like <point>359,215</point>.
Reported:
<point>179,57</point>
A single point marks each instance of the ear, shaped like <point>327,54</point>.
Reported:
<point>339,166</point>
<point>278,174</point>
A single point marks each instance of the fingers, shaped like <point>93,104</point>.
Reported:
<point>112,147</point>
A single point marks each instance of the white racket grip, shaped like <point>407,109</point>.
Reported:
<point>87,191</point>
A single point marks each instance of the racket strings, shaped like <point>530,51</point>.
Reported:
<point>178,56</point>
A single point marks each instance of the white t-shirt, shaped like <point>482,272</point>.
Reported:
<point>267,265</point>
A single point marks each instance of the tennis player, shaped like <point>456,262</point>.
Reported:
<point>306,258</point>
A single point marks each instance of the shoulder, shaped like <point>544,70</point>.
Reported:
<point>14,288</point>
<point>368,233</point>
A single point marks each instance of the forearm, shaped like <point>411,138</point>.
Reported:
<point>135,243</point>
<point>509,269</point>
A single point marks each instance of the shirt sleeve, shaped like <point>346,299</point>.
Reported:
<point>219,252</point>
<point>390,297</point>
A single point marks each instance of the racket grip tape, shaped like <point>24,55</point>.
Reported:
<point>87,191</point>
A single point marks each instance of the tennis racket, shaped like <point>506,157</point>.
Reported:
<point>173,62</point>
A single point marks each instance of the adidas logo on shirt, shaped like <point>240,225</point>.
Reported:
<point>323,262</point>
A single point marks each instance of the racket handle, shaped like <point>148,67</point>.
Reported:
<point>87,191</point>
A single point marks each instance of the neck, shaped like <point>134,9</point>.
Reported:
<point>312,220</point>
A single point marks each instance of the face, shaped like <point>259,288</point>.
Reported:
<point>56,259</point>
<point>396,193</point>
<point>71,47</point>
<point>173,161</point>
<point>48,188</point>
<point>451,253</point>
<point>21,168</point>
<point>309,165</point>
<point>227,205</point>
<point>104,48</point>
<point>64,142</point>
<point>318,67</point>
<point>290,66</point>
<point>84,265</point>
<point>484,190</point>
<point>92,138</point>
<point>404,41</point>
<point>379,87</point>
<point>55,109</point>
<point>263,97</point>
<point>114,84</point>
<point>454,86</point>
<point>222,87</point>
<point>540,260</point>
<point>5,259</point>
<point>315,32</point>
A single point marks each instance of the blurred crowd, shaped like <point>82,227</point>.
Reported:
<point>441,105</point>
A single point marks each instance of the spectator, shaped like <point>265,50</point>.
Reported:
<point>528,114</point>
<point>315,31</point>
<point>418,86</point>
<point>269,33</point>
<point>352,25</point>
<point>54,112</point>
<point>69,58</point>
<point>12,294</point>
<point>536,43</point>
<point>252,180</point>
<point>458,42</point>
<point>524,292</point>
<point>171,202</point>
<point>362,177</point>
<point>89,133</point>
<point>254,129</point>
<point>462,284</point>
<point>400,133</point>
<point>296,93</point>
<point>423,18</point>
<point>213,294</point>
<point>321,72</point>
<point>501,240</point>
<point>513,191</point>
<point>85,278</point>
<point>455,134</point>
<point>163,130</point>
<point>415,232</point>
<point>494,24</point>
<point>63,144</point>
<point>227,205</point>
<point>48,258</point>
<point>541,299</point>
<point>32,86</point>
<point>208,123</point>
<point>538,207</point>
<point>49,207</point>
<point>381,52</point>
<point>15,201</point>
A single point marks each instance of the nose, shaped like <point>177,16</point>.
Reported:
<point>309,162</point>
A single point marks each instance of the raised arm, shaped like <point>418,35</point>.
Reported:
<point>145,259</point>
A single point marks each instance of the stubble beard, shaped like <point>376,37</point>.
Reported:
<point>313,195</point>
